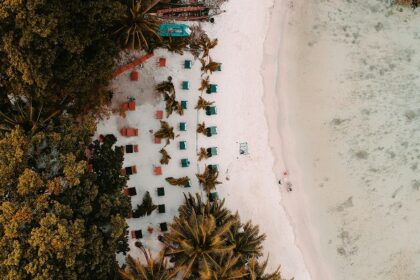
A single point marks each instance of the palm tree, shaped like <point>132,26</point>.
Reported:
<point>165,156</point>
<point>202,154</point>
<point>196,241</point>
<point>256,271</point>
<point>207,45</point>
<point>178,181</point>
<point>214,208</point>
<point>205,84</point>
<point>208,179</point>
<point>209,66</point>
<point>176,45</point>
<point>171,103</point>
<point>203,104</point>
<point>179,108</point>
<point>165,131</point>
<point>227,267</point>
<point>247,240</point>
<point>165,87</point>
<point>138,30</point>
<point>153,269</point>
<point>27,113</point>
<point>201,128</point>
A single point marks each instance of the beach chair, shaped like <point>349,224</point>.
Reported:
<point>212,89</point>
<point>162,62</point>
<point>161,208</point>
<point>157,170</point>
<point>211,110</point>
<point>163,227</point>
<point>185,162</point>
<point>187,64</point>
<point>188,185</point>
<point>129,191</point>
<point>183,145</point>
<point>128,106</point>
<point>182,126</point>
<point>184,104</point>
<point>159,115</point>
<point>134,76</point>
<point>136,234</point>
<point>161,191</point>
<point>219,67</point>
<point>157,140</point>
<point>129,149</point>
<point>213,167</point>
<point>213,196</point>
<point>128,170</point>
<point>185,85</point>
<point>212,151</point>
<point>212,130</point>
<point>129,132</point>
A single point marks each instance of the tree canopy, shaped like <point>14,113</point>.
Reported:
<point>58,220</point>
<point>58,51</point>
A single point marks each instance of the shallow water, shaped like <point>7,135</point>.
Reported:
<point>353,89</point>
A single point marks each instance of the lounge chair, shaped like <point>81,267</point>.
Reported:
<point>185,162</point>
<point>161,208</point>
<point>187,64</point>
<point>188,185</point>
<point>183,145</point>
<point>213,196</point>
<point>212,130</point>
<point>129,132</point>
<point>163,227</point>
<point>213,167</point>
<point>136,234</point>
<point>159,115</point>
<point>128,170</point>
<point>185,85</point>
<point>212,89</point>
<point>129,149</point>
<point>157,170</point>
<point>157,140</point>
<point>134,75</point>
<point>212,151</point>
<point>184,104</point>
<point>161,191</point>
<point>211,110</point>
<point>182,126</point>
<point>162,62</point>
<point>129,106</point>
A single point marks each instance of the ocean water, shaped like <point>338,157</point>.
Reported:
<point>353,87</point>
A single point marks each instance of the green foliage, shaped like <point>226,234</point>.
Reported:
<point>137,29</point>
<point>154,269</point>
<point>207,241</point>
<point>59,52</point>
<point>57,220</point>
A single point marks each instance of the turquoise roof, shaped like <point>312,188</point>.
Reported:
<point>174,30</point>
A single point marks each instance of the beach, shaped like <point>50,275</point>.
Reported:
<point>323,95</point>
<point>347,115</point>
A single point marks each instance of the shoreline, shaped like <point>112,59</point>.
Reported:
<point>276,114</point>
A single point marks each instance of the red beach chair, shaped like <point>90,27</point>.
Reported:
<point>159,115</point>
<point>134,76</point>
<point>129,132</point>
<point>162,62</point>
<point>157,140</point>
<point>128,106</point>
<point>157,170</point>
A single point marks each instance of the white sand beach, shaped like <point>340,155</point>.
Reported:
<point>347,105</point>
<point>249,183</point>
<point>323,90</point>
